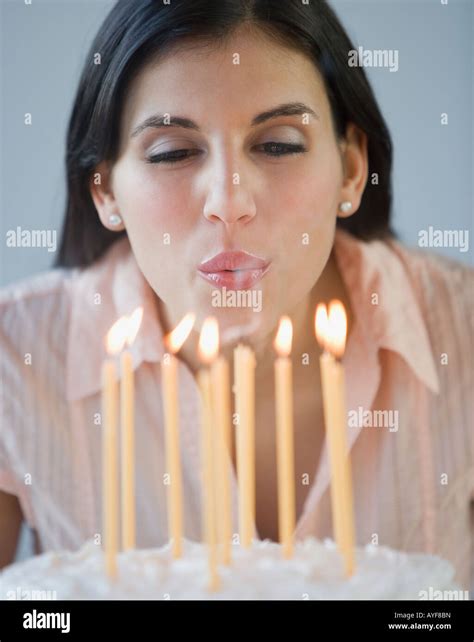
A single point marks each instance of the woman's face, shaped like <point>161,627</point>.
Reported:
<point>230,191</point>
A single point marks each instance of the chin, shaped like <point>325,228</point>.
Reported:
<point>234,322</point>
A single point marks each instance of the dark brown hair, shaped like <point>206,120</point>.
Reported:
<point>135,31</point>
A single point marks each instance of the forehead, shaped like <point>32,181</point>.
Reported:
<point>227,83</point>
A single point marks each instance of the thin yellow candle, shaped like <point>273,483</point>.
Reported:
<point>127,450</point>
<point>220,381</point>
<point>285,436</point>
<point>110,481</point>
<point>331,334</point>
<point>169,373</point>
<point>244,381</point>
<point>127,411</point>
<point>208,346</point>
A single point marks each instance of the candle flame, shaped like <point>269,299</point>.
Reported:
<point>209,340</point>
<point>337,328</point>
<point>123,332</point>
<point>175,339</point>
<point>117,336</point>
<point>331,329</point>
<point>321,325</point>
<point>134,322</point>
<point>284,336</point>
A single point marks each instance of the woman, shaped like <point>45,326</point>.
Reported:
<point>222,146</point>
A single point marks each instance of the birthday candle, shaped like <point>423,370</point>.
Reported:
<point>208,346</point>
<point>331,334</point>
<point>169,372</point>
<point>220,382</point>
<point>110,482</point>
<point>127,411</point>
<point>285,437</point>
<point>244,380</point>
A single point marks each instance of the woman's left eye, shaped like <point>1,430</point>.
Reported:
<point>271,149</point>
<point>282,149</point>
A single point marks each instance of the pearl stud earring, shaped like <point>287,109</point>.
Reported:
<point>345,207</point>
<point>115,220</point>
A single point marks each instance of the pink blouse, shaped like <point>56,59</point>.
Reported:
<point>409,352</point>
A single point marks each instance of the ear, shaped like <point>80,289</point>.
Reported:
<point>102,195</point>
<point>356,168</point>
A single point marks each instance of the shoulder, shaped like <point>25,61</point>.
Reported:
<point>438,281</point>
<point>34,319</point>
<point>432,278</point>
<point>422,296</point>
<point>444,291</point>
<point>33,290</point>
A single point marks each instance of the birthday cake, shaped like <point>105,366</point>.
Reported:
<point>315,572</point>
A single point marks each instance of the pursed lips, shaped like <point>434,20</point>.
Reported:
<point>234,269</point>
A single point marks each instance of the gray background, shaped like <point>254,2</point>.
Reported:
<point>43,46</point>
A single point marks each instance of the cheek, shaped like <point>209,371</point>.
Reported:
<point>151,207</point>
<point>309,198</point>
<point>310,190</point>
<point>309,194</point>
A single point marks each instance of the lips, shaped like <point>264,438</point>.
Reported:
<point>235,270</point>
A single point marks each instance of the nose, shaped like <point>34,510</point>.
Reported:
<point>229,200</point>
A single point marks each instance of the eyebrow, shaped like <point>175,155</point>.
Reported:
<point>285,109</point>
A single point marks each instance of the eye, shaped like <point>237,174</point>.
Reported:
<point>271,149</point>
<point>173,156</point>
<point>282,149</point>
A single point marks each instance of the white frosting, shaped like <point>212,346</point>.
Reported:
<point>260,572</point>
